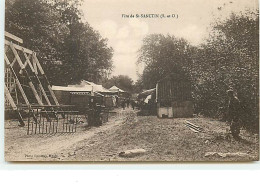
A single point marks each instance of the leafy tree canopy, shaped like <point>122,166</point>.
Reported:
<point>228,59</point>
<point>69,49</point>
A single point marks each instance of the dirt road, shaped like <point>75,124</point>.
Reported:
<point>39,147</point>
<point>162,140</point>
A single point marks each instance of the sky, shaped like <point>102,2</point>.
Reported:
<point>125,34</point>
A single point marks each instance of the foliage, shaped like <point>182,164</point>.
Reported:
<point>229,59</point>
<point>163,55</point>
<point>69,49</point>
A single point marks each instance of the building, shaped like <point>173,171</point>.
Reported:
<point>173,96</point>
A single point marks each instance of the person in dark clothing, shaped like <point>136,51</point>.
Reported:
<point>98,121</point>
<point>133,104</point>
<point>91,112</point>
<point>128,102</point>
<point>123,104</point>
<point>233,113</point>
<point>117,101</point>
<point>94,113</point>
<point>92,103</point>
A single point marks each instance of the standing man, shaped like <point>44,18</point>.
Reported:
<point>133,104</point>
<point>128,102</point>
<point>233,113</point>
<point>91,111</point>
<point>97,114</point>
<point>123,103</point>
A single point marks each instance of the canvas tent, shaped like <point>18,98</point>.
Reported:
<point>94,87</point>
<point>74,95</point>
<point>116,89</point>
<point>79,94</point>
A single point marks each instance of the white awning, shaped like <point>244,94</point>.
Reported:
<point>71,88</point>
<point>80,93</point>
<point>116,89</point>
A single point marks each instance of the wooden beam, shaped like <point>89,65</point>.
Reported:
<point>37,78</point>
<point>38,64</point>
<point>6,49</point>
<point>17,81</point>
<point>11,36</point>
<point>28,62</point>
<point>46,80</point>
<point>14,107</point>
<point>8,43</point>
<point>14,60</point>
<point>26,74</point>
<point>10,99</point>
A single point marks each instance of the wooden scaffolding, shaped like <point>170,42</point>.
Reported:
<point>28,92</point>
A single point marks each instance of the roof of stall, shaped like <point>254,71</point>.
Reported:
<point>116,89</point>
<point>84,86</point>
<point>72,88</point>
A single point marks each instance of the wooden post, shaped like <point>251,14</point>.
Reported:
<point>38,80</point>
<point>26,74</point>
<point>47,81</point>
<point>8,65</point>
<point>14,107</point>
<point>13,37</point>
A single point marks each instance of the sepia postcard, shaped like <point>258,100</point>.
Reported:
<point>130,80</point>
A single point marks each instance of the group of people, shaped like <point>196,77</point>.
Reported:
<point>127,102</point>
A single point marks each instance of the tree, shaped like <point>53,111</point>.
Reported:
<point>229,59</point>
<point>69,49</point>
<point>162,55</point>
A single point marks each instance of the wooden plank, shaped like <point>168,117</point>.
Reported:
<point>192,124</point>
<point>27,74</point>
<point>38,63</point>
<point>17,81</point>
<point>14,60</point>
<point>6,49</point>
<point>47,81</point>
<point>35,65</point>
<point>18,59</point>
<point>10,99</point>
<point>11,36</point>
<point>8,43</point>
<point>193,130</point>
<point>39,82</point>
<point>14,107</point>
<point>28,62</point>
